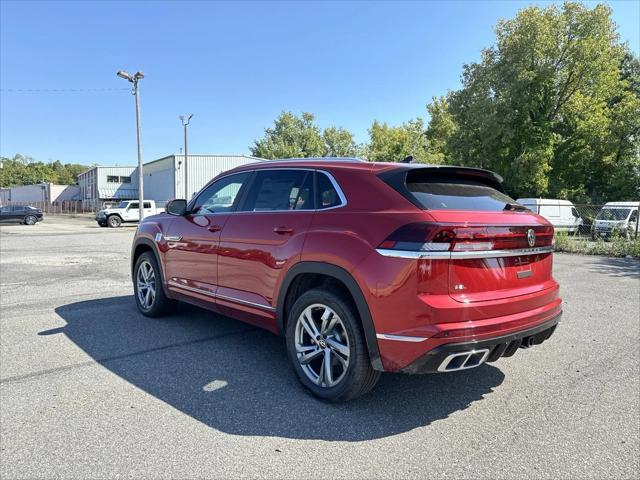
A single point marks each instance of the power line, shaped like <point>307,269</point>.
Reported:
<point>62,90</point>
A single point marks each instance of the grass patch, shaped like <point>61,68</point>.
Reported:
<point>616,247</point>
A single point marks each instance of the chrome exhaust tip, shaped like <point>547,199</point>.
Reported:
<point>464,360</point>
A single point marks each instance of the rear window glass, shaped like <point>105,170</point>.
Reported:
<point>450,193</point>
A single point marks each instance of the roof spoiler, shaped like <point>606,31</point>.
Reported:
<point>468,172</point>
<point>487,177</point>
<point>398,177</point>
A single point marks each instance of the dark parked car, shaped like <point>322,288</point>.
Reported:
<point>20,214</point>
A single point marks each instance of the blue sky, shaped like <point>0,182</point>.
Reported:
<point>234,65</point>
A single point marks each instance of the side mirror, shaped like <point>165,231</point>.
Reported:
<point>177,207</point>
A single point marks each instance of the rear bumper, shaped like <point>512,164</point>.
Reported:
<point>496,347</point>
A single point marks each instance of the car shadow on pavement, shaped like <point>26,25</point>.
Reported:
<point>236,378</point>
<point>617,267</point>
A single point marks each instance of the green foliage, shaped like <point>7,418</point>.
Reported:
<point>553,106</point>
<point>23,170</point>
<point>392,144</point>
<point>617,247</point>
<point>442,128</point>
<point>339,142</point>
<point>293,136</point>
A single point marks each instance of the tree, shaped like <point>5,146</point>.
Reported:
<point>291,136</point>
<point>553,107</point>
<point>393,144</point>
<point>442,127</point>
<point>339,142</point>
<point>24,170</point>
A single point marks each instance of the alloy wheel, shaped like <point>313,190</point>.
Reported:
<point>30,220</point>
<point>146,285</point>
<point>322,345</point>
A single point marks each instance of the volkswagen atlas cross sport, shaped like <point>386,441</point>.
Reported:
<point>362,267</point>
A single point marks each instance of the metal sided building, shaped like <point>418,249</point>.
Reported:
<point>164,179</point>
<point>39,194</point>
<point>100,185</point>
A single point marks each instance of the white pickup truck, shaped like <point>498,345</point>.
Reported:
<point>125,211</point>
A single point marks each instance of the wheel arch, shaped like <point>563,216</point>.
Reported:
<point>346,279</point>
<point>140,246</point>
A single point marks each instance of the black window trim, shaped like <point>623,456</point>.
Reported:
<point>242,195</point>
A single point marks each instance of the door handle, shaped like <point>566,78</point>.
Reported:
<point>214,228</point>
<point>283,230</point>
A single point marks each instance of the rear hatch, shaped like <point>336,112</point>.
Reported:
<point>495,248</point>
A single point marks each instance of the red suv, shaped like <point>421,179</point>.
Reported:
<point>363,267</point>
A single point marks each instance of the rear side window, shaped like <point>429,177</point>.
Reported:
<point>328,196</point>
<point>280,190</point>
<point>452,192</point>
<point>549,210</point>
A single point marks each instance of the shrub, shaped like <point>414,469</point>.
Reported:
<point>617,247</point>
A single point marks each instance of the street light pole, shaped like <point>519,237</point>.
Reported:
<point>185,123</point>
<point>134,80</point>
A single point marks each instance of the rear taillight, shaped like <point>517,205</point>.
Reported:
<point>431,237</point>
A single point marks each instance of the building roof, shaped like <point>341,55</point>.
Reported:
<point>206,155</point>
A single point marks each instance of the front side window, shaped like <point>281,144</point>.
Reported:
<point>280,190</point>
<point>220,196</point>
<point>133,206</point>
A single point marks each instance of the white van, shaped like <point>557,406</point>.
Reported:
<point>561,213</point>
<point>621,217</point>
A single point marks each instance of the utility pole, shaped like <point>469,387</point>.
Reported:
<point>185,123</point>
<point>134,79</point>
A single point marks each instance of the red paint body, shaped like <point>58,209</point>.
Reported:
<point>243,262</point>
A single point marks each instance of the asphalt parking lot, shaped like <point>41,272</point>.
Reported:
<point>90,388</point>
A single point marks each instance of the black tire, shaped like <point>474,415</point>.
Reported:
<point>30,220</point>
<point>161,305</point>
<point>114,221</point>
<point>359,376</point>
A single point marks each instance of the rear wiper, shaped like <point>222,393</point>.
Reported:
<point>515,207</point>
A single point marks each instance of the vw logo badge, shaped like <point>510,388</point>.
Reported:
<point>531,237</point>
